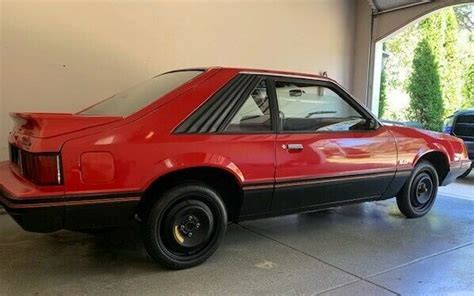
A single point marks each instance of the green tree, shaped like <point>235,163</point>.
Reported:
<point>383,94</point>
<point>450,33</point>
<point>452,77</point>
<point>441,31</point>
<point>400,49</point>
<point>426,100</point>
<point>468,89</point>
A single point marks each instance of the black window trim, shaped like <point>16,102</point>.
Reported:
<point>324,83</point>
<point>242,100</point>
<point>270,79</point>
<point>184,127</point>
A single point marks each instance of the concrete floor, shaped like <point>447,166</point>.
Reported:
<point>366,249</point>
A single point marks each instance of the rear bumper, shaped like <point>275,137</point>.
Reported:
<point>44,219</point>
<point>22,200</point>
<point>46,210</point>
<point>456,169</point>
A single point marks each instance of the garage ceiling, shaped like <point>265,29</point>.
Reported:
<point>381,6</point>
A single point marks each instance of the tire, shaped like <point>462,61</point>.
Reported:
<point>419,192</point>
<point>466,173</point>
<point>185,226</point>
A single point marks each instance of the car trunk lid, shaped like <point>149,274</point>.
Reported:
<point>47,125</point>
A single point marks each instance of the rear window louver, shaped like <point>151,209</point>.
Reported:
<point>215,113</point>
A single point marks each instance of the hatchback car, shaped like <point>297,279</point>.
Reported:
<point>461,125</point>
<point>188,151</point>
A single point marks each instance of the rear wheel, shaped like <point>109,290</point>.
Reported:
<point>419,192</point>
<point>185,226</point>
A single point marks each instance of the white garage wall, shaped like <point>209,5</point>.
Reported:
<point>65,55</point>
<point>362,43</point>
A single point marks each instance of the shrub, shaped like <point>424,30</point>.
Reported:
<point>468,89</point>
<point>426,99</point>
<point>383,94</point>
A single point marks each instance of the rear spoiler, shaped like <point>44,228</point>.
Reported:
<point>46,125</point>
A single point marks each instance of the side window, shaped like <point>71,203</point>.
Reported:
<point>309,107</point>
<point>254,114</point>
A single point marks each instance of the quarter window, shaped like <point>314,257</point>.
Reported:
<point>254,114</point>
<point>308,107</point>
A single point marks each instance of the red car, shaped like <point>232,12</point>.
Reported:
<point>187,151</point>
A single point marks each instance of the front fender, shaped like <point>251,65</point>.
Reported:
<point>432,147</point>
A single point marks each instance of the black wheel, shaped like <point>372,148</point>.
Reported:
<point>185,226</point>
<point>419,192</point>
<point>466,173</point>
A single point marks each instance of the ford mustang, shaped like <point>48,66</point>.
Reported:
<point>188,151</point>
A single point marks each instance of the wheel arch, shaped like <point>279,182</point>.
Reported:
<point>224,181</point>
<point>439,160</point>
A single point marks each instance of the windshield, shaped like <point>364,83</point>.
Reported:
<point>136,98</point>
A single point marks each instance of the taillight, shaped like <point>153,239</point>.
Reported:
<point>465,151</point>
<point>47,170</point>
<point>40,168</point>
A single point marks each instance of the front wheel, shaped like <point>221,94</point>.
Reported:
<point>185,226</point>
<point>419,192</point>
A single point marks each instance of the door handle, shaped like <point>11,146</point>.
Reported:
<point>293,147</point>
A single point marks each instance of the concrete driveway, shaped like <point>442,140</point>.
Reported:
<point>366,249</point>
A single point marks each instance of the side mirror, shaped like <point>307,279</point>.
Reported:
<point>296,92</point>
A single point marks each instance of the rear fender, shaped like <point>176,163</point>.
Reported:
<point>195,160</point>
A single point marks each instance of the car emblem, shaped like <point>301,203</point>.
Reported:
<point>26,141</point>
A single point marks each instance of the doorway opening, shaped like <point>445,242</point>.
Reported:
<point>424,72</point>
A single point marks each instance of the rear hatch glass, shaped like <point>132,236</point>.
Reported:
<point>136,98</point>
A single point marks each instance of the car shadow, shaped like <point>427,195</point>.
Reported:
<point>467,180</point>
<point>123,248</point>
<point>109,249</point>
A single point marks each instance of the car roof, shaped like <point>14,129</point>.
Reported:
<point>260,71</point>
<point>464,112</point>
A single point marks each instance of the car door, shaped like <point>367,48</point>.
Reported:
<point>329,149</point>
